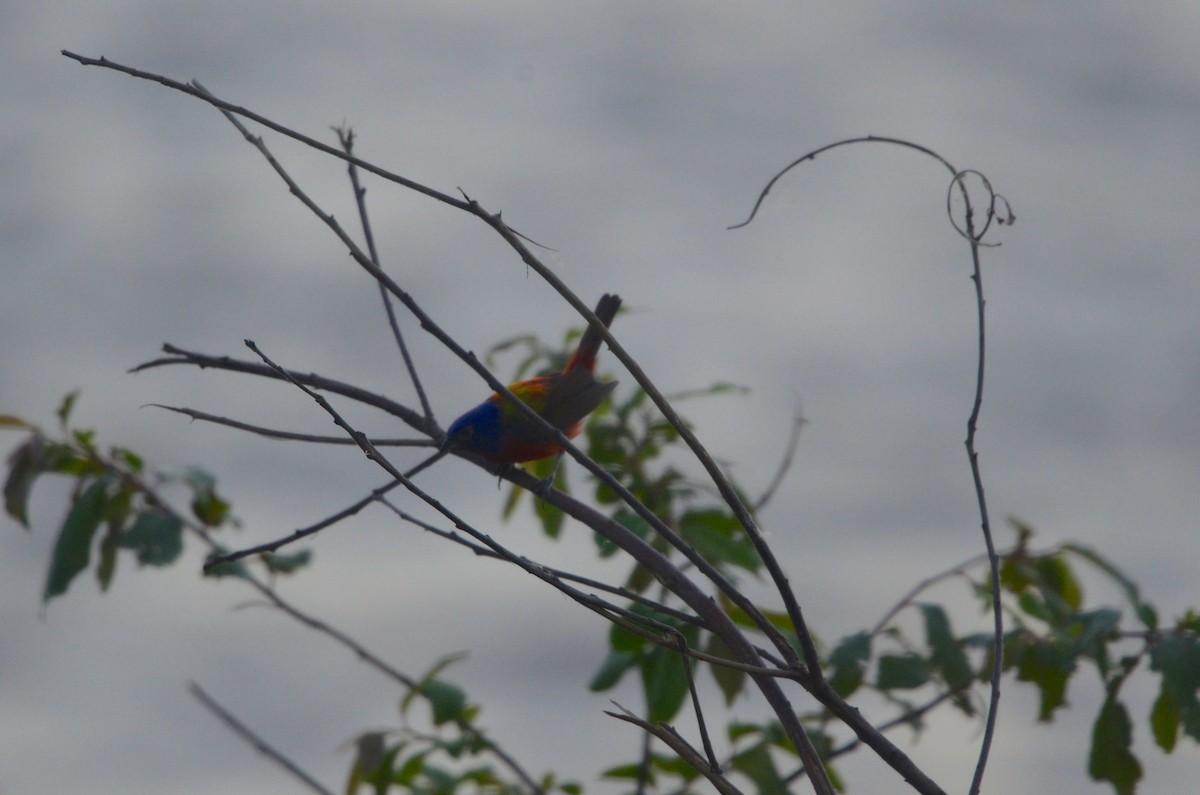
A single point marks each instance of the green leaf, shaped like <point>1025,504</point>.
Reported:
<point>287,564</point>
<point>1177,658</point>
<point>1144,611</point>
<point>156,537</point>
<point>730,680</point>
<point>408,772</point>
<point>73,548</point>
<point>25,464</point>
<point>1048,666</point>
<point>776,618</point>
<point>1111,759</point>
<point>511,502</point>
<point>1059,578</point>
<point>65,408</point>
<point>848,662</point>
<point>902,671</point>
<point>552,518</point>
<point>737,730</point>
<point>720,538</point>
<point>946,654</point>
<point>664,682</point>
<point>1094,628</point>
<point>673,766</point>
<point>631,771</point>
<point>419,689</point>
<point>207,505</point>
<point>107,566</point>
<point>756,764</point>
<point>1032,604</point>
<point>611,670</point>
<point>368,758</point>
<point>234,568</point>
<point>85,438</point>
<point>447,700</point>
<point>1164,722</point>
<point>625,640</point>
<point>129,458</point>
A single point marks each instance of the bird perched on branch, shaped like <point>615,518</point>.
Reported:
<point>497,431</point>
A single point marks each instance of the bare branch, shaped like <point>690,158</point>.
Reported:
<point>304,532</point>
<point>201,360</point>
<point>813,156</point>
<point>968,230</point>
<point>360,651</point>
<point>985,523</point>
<point>781,643</point>
<point>789,457</point>
<point>907,717</point>
<point>200,93</point>
<point>680,746</point>
<point>346,139</point>
<point>928,582</point>
<point>259,744</point>
<point>706,608</point>
<point>728,492</point>
<point>273,433</point>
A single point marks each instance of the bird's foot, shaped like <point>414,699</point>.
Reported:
<point>547,483</point>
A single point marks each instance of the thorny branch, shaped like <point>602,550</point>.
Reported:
<point>706,609</point>
<point>999,211</point>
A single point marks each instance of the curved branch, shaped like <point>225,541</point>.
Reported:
<point>199,93</point>
<point>259,744</point>
<point>789,457</point>
<point>846,142</point>
<point>273,433</point>
<point>974,236</point>
<point>202,360</point>
<point>346,139</point>
<point>681,747</point>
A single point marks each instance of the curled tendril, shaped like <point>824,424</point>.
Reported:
<point>999,210</point>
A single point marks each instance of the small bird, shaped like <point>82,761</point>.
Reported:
<point>496,431</point>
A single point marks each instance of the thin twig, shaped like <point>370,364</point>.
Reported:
<point>683,650</point>
<point>664,570</point>
<point>227,107</point>
<point>514,239</point>
<point>778,640</point>
<point>789,457</point>
<point>985,524</point>
<point>928,582</point>
<point>274,433</point>
<point>259,744</point>
<point>888,725</point>
<point>359,651</point>
<point>968,230</point>
<point>680,746</point>
<point>368,657</point>
<point>762,196</point>
<point>728,493</point>
<point>178,356</point>
<point>346,139</point>
<point>615,590</point>
<point>304,532</point>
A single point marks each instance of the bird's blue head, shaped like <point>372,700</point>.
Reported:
<point>477,431</point>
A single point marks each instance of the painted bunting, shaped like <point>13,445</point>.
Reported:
<point>496,431</point>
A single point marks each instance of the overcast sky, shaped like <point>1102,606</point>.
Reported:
<point>626,137</point>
